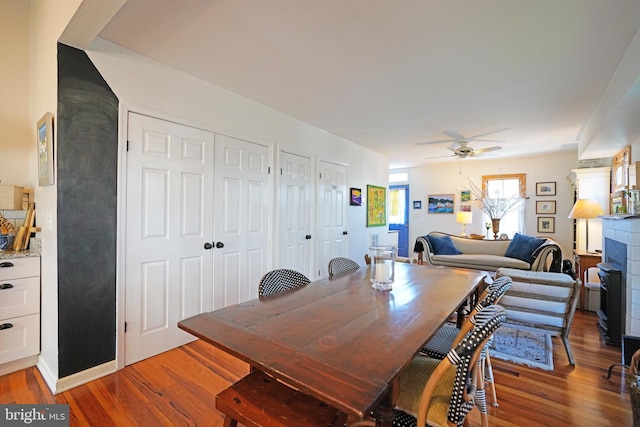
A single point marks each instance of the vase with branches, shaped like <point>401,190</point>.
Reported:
<point>494,206</point>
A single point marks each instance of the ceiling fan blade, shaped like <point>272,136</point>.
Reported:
<point>487,140</point>
<point>440,157</point>
<point>475,137</point>
<point>434,142</point>
<point>486,150</point>
<point>453,134</point>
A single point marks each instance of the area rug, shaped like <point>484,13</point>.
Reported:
<point>523,346</point>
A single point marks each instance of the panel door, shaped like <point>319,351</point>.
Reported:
<point>242,218</point>
<point>168,221</point>
<point>294,240</point>
<point>332,215</point>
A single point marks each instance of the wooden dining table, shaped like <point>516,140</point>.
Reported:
<point>340,340</point>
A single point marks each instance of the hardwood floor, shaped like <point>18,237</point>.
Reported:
<point>178,388</point>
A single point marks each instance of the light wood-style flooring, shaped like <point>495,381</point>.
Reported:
<point>178,388</point>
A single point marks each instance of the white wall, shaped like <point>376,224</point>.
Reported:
<point>453,176</point>
<point>14,87</point>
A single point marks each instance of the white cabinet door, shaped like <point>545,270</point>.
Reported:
<point>168,221</point>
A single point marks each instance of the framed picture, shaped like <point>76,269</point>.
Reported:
<point>44,131</point>
<point>546,224</point>
<point>465,208</point>
<point>545,206</point>
<point>441,203</point>
<point>356,197</point>
<point>545,188</point>
<point>376,206</point>
<point>417,204</point>
<point>465,196</point>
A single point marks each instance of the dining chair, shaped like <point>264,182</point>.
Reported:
<point>340,265</point>
<point>281,280</point>
<point>442,391</point>
<point>449,335</point>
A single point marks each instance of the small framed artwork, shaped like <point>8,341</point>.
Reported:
<point>465,196</point>
<point>545,188</point>
<point>417,204</point>
<point>376,206</point>
<point>356,197</point>
<point>44,133</point>
<point>441,203</point>
<point>465,208</point>
<point>546,224</point>
<point>546,207</point>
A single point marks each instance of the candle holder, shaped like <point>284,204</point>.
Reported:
<point>383,265</point>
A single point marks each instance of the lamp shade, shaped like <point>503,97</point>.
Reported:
<point>464,217</point>
<point>586,208</point>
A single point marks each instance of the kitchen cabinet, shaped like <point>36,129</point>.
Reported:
<point>19,312</point>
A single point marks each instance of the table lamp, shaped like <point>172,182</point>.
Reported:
<point>585,209</point>
<point>464,218</point>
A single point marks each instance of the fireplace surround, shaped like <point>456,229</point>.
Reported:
<point>624,231</point>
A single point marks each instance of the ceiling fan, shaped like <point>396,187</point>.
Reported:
<point>460,146</point>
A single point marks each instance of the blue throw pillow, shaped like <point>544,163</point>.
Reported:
<point>443,245</point>
<point>522,247</point>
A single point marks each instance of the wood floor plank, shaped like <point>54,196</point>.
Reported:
<point>178,388</point>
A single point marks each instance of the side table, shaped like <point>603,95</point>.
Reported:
<point>584,261</point>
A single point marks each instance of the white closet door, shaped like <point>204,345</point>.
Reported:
<point>332,214</point>
<point>294,237</point>
<point>242,218</point>
<point>168,221</point>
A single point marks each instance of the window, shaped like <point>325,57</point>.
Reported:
<point>510,188</point>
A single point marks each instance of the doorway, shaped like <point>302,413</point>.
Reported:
<point>399,216</point>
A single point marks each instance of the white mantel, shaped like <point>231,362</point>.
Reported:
<point>626,229</point>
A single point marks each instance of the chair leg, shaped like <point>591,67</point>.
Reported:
<point>481,396</point>
<point>487,370</point>
<point>567,347</point>
<point>230,422</point>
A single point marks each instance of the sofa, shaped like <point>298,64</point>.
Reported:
<point>522,252</point>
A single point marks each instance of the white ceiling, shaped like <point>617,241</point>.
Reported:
<point>390,74</point>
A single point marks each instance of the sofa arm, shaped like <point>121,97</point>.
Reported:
<point>541,256</point>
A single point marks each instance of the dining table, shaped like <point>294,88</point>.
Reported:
<point>340,340</point>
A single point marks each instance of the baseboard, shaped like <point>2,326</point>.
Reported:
<point>16,365</point>
<point>58,385</point>
<point>49,377</point>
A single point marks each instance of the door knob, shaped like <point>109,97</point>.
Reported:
<point>308,237</point>
<point>345,232</point>
<point>208,245</point>
<point>219,245</point>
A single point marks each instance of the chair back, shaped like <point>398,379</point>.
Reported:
<point>340,265</point>
<point>465,357</point>
<point>281,280</point>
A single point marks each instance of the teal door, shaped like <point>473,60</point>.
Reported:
<point>399,216</point>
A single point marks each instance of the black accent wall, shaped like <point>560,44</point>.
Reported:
<point>87,144</point>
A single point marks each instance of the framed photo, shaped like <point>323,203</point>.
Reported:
<point>417,204</point>
<point>356,197</point>
<point>44,132</point>
<point>441,203</point>
<point>465,196</point>
<point>546,207</point>
<point>545,188</point>
<point>465,208</point>
<point>546,224</point>
<point>376,206</point>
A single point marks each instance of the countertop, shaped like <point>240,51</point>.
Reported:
<point>35,246</point>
